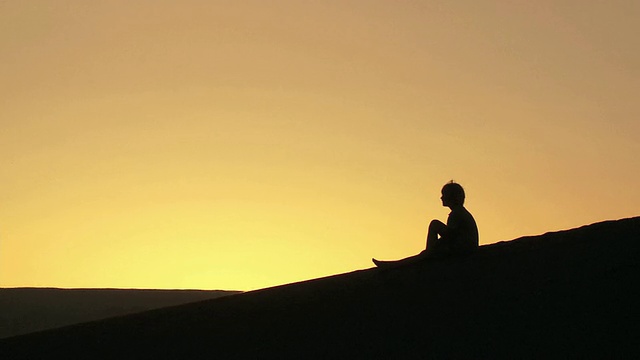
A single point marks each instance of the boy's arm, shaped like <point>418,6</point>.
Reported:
<point>453,227</point>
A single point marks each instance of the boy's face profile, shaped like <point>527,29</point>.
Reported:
<point>446,198</point>
<point>449,198</point>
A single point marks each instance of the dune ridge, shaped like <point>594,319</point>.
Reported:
<point>26,310</point>
<point>566,293</point>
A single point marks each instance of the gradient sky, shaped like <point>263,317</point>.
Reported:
<point>245,144</point>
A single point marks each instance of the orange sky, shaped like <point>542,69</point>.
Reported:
<point>244,144</point>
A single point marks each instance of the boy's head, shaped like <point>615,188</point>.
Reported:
<point>452,194</point>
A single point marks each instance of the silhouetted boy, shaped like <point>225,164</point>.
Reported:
<point>458,236</point>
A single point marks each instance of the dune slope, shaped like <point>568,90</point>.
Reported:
<point>27,310</point>
<point>568,293</point>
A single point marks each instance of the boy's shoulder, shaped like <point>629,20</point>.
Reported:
<point>460,213</point>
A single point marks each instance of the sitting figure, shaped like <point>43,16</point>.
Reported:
<point>458,236</point>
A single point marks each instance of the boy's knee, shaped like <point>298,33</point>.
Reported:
<point>436,224</point>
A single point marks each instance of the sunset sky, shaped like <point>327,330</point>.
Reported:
<point>244,144</point>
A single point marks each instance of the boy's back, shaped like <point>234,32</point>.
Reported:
<point>462,231</point>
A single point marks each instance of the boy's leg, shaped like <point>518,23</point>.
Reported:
<point>436,228</point>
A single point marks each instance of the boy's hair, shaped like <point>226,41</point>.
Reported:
<point>455,190</point>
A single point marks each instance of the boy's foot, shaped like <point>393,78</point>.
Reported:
<point>383,263</point>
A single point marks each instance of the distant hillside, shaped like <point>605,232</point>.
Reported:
<point>25,310</point>
<point>564,294</point>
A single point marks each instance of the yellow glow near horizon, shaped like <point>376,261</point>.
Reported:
<point>240,145</point>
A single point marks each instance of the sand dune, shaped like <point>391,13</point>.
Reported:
<point>571,293</point>
<point>26,310</point>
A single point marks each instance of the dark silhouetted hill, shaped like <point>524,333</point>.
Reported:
<point>26,310</point>
<point>563,294</point>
